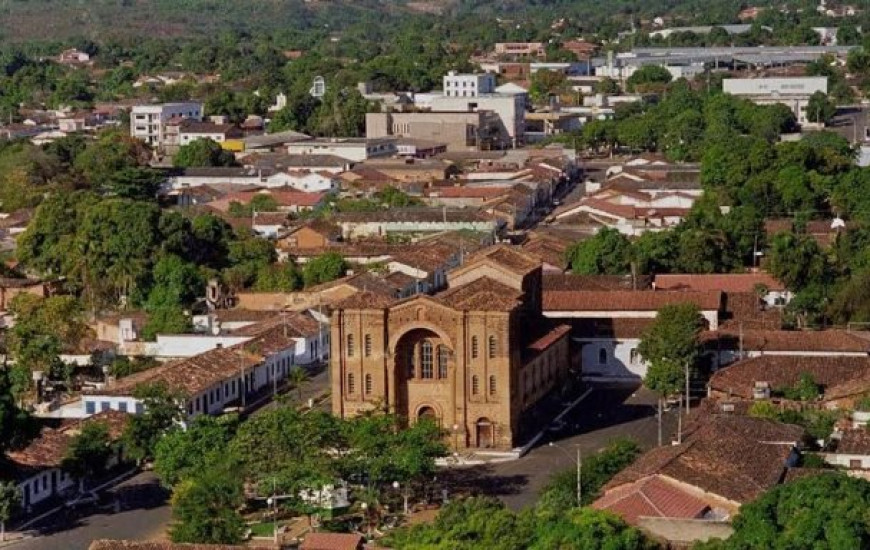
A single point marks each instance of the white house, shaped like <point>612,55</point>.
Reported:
<point>608,324</point>
<point>36,469</point>
<point>468,85</point>
<point>792,92</point>
<point>303,180</point>
<point>148,122</point>
<point>352,149</point>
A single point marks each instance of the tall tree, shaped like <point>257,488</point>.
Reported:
<point>203,152</point>
<point>205,508</point>
<point>670,347</point>
<point>88,453</point>
<point>144,430</point>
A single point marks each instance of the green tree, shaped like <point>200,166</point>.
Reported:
<point>647,78</point>
<point>183,453</point>
<point>806,389</point>
<point>606,253</point>
<point>203,152</point>
<point>143,431</point>
<point>176,283</point>
<point>88,453</point>
<point>324,268</point>
<point>820,109</point>
<point>205,508</point>
<point>14,422</point>
<point>298,376</point>
<point>823,511</point>
<point>133,183</point>
<point>589,529</point>
<point>560,492</point>
<point>10,500</point>
<point>670,347</point>
<point>797,261</point>
<point>166,320</point>
<point>545,83</point>
<point>606,86</point>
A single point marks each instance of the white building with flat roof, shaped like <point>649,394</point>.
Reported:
<point>792,92</point>
<point>148,122</point>
<point>352,149</point>
<point>468,85</point>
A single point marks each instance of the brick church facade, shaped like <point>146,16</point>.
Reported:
<point>475,357</point>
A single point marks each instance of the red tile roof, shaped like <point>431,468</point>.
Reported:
<point>626,300</point>
<point>483,294</point>
<point>727,282</point>
<point>833,373</point>
<point>788,340</point>
<point>569,281</point>
<point>733,457</point>
<point>854,442</point>
<point>653,496</point>
<point>332,541</point>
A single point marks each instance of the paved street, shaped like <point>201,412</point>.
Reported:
<point>145,512</point>
<point>144,515</point>
<point>607,414</point>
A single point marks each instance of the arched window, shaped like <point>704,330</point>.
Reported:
<point>351,384</point>
<point>492,385</point>
<point>492,347</point>
<point>602,356</point>
<point>475,385</point>
<point>368,384</point>
<point>426,363</point>
<point>474,348</point>
<point>443,354</point>
<point>367,345</point>
<point>350,345</point>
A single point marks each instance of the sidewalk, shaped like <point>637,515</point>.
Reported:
<point>480,457</point>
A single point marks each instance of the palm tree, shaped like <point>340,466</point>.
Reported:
<point>298,376</point>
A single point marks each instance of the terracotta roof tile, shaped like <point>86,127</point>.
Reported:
<point>734,457</point>
<point>780,371</point>
<point>653,496</point>
<point>569,281</point>
<point>788,340</point>
<point>626,300</point>
<point>483,294</point>
<point>854,442</point>
<point>332,541</point>
<point>727,282</point>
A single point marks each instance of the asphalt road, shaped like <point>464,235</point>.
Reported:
<point>144,515</point>
<point>607,414</point>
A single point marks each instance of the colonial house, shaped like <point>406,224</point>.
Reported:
<point>303,180</point>
<point>210,381</point>
<point>725,346</point>
<point>608,324</point>
<point>766,286</point>
<point>37,468</point>
<point>316,233</point>
<point>852,449</point>
<point>356,225</point>
<point>843,380</point>
<point>473,357</point>
<point>690,491</point>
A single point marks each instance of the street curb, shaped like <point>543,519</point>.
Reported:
<point>531,444</point>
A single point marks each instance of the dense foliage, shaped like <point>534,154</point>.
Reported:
<point>824,511</point>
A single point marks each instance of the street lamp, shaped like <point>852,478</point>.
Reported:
<point>365,509</point>
<point>270,502</point>
<point>579,463</point>
<point>456,438</point>
<point>404,496</point>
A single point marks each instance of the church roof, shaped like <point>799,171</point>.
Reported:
<point>482,294</point>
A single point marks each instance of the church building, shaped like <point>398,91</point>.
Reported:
<point>475,356</point>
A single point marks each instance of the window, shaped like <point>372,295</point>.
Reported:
<point>140,408</point>
<point>492,385</point>
<point>492,347</point>
<point>368,345</point>
<point>105,406</point>
<point>350,345</point>
<point>368,384</point>
<point>442,361</point>
<point>475,385</point>
<point>602,356</point>
<point>351,384</point>
<point>474,349</point>
<point>426,370</point>
<point>632,356</point>
<point>122,406</point>
<point>90,407</point>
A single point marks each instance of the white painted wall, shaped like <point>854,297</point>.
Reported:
<point>620,361</point>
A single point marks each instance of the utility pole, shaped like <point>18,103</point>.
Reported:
<point>660,421</point>
<point>688,406</point>
<point>579,485</point>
